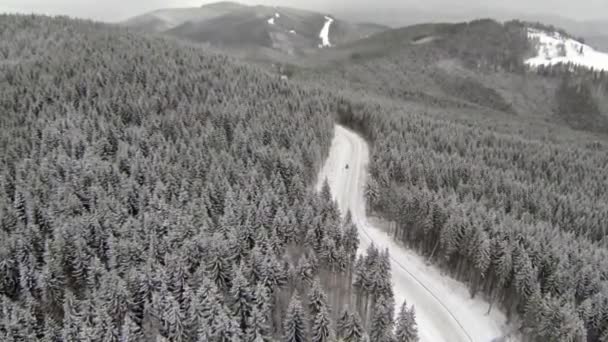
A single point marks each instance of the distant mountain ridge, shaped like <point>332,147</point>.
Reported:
<point>594,32</point>
<point>233,25</point>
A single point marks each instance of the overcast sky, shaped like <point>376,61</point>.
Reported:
<point>116,10</point>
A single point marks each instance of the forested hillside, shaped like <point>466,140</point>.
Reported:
<point>152,191</point>
<point>409,64</point>
<point>480,65</point>
<point>582,95</point>
<point>521,220</point>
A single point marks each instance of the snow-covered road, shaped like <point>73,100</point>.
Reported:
<point>444,309</point>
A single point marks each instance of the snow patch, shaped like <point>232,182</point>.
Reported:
<point>271,19</point>
<point>324,35</point>
<point>553,48</point>
<point>424,40</point>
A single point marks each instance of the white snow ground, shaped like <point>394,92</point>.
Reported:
<point>324,35</point>
<point>444,309</point>
<point>553,48</point>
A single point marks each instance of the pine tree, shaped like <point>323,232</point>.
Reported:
<point>351,240</point>
<point>305,271</point>
<point>406,329</point>
<point>210,307</point>
<point>130,331</point>
<point>226,329</point>
<point>173,320</point>
<point>353,330</point>
<point>257,327</point>
<point>218,268</point>
<point>382,321</point>
<point>326,191</point>
<point>317,298</point>
<point>295,324</point>
<point>342,322</point>
<point>321,330</point>
<point>72,320</point>
<point>241,298</point>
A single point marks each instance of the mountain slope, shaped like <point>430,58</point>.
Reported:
<point>166,19</point>
<point>554,48</point>
<point>481,65</point>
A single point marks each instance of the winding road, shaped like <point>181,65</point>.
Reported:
<point>444,309</point>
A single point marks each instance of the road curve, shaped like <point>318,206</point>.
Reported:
<point>444,310</point>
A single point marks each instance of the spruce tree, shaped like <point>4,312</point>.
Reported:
<point>317,299</point>
<point>353,329</point>
<point>241,299</point>
<point>130,331</point>
<point>406,329</point>
<point>295,325</point>
<point>382,321</point>
<point>343,321</point>
<point>257,327</point>
<point>321,330</point>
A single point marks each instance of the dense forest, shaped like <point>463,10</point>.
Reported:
<point>153,191</point>
<point>521,221</point>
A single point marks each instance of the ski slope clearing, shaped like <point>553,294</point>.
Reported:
<point>324,35</point>
<point>444,309</point>
<point>553,48</point>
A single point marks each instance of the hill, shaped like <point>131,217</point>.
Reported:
<point>481,64</point>
<point>165,19</point>
<point>231,25</point>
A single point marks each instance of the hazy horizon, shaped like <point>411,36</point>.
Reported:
<point>118,10</point>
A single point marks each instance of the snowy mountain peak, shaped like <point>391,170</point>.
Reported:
<point>554,48</point>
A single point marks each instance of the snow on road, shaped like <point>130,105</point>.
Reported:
<point>444,309</point>
<point>553,48</point>
<point>324,35</point>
